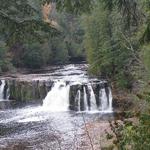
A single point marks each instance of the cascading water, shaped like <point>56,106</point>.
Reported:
<point>4,95</point>
<point>93,105</point>
<point>2,85</point>
<point>4,91</point>
<point>36,126</point>
<point>72,90</point>
<point>84,99</point>
<point>104,100</point>
<point>78,100</point>
<point>58,98</point>
<point>110,108</point>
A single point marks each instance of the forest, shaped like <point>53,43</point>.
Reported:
<point>112,36</point>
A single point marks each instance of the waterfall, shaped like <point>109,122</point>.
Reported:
<point>85,100</point>
<point>93,105</point>
<point>58,98</point>
<point>2,86</point>
<point>78,97</point>
<point>7,94</point>
<point>104,100</point>
<point>4,91</point>
<point>110,108</point>
<point>78,100</point>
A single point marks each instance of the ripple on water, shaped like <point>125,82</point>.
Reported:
<point>34,127</point>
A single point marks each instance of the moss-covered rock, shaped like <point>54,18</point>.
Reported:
<point>24,91</point>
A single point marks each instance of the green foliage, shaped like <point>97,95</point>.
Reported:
<point>22,24</point>
<point>34,56</point>
<point>117,37</point>
<point>136,137</point>
<point>77,6</point>
<point>5,65</point>
<point>108,49</point>
<point>21,20</point>
<point>73,34</point>
<point>146,56</point>
<point>59,50</point>
<point>95,31</point>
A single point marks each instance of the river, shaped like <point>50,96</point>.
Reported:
<point>55,124</point>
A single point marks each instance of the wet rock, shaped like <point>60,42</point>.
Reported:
<point>82,105</point>
<point>36,90</point>
<point>97,86</point>
<point>88,97</point>
<point>76,95</point>
<point>6,90</point>
<point>73,96</point>
<point>96,89</point>
<point>24,91</point>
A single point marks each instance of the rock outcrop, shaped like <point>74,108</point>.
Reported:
<point>24,91</point>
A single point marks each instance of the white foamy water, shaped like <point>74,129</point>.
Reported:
<point>78,99</point>
<point>104,100</point>
<point>92,99</point>
<point>58,98</point>
<point>85,96</point>
<point>42,126</point>
<point>85,100</point>
<point>2,90</point>
<point>110,108</point>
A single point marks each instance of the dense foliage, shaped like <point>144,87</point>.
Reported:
<point>107,46</point>
<point>36,34</point>
<point>117,36</point>
<point>131,38</point>
<point>114,33</point>
<point>5,64</point>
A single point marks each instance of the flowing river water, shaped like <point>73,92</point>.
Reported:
<point>56,124</point>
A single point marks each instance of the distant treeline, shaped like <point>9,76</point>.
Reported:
<point>35,34</point>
